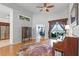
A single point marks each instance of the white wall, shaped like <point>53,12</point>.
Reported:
<point>40,19</point>
<point>4,14</point>
<point>18,24</point>
<point>44,18</point>
<point>4,20</point>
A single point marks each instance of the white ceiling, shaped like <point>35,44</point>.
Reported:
<point>58,7</point>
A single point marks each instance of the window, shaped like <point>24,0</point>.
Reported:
<point>57,30</point>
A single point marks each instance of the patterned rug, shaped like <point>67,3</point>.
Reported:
<point>36,49</point>
<point>40,50</point>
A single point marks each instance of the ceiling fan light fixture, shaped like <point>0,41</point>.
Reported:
<point>45,7</point>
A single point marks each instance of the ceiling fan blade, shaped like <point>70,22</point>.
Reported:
<point>45,4</point>
<point>39,7</point>
<point>41,10</point>
<point>47,10</point>
<point>50,6</point>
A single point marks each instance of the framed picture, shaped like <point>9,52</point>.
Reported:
<point>24,17</point>
<point>74,15</point>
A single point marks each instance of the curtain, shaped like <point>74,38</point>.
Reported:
<point>50,28</point>
<point>62,23</point>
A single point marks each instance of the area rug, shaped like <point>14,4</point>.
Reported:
<point>36,49</point>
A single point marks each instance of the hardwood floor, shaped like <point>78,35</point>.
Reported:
<point>4,41</point>
<point>12,50</point>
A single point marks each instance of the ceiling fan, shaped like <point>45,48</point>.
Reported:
<point>45,7</point>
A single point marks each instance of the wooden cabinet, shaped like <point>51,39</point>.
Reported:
<point>26,33</point>
<point>68,47</point>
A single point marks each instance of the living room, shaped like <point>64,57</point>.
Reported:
<point>27,21</point>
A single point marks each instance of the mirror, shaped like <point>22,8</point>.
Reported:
<point>74,15</point>
<point>74,19</point>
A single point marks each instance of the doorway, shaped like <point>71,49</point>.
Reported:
<point>40,32</point>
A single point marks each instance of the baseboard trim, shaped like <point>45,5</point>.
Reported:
<point>16,43</point>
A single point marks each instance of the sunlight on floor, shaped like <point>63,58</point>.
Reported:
<point>4,43</point>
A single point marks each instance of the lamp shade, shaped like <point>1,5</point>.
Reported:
<point>67,27</point>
